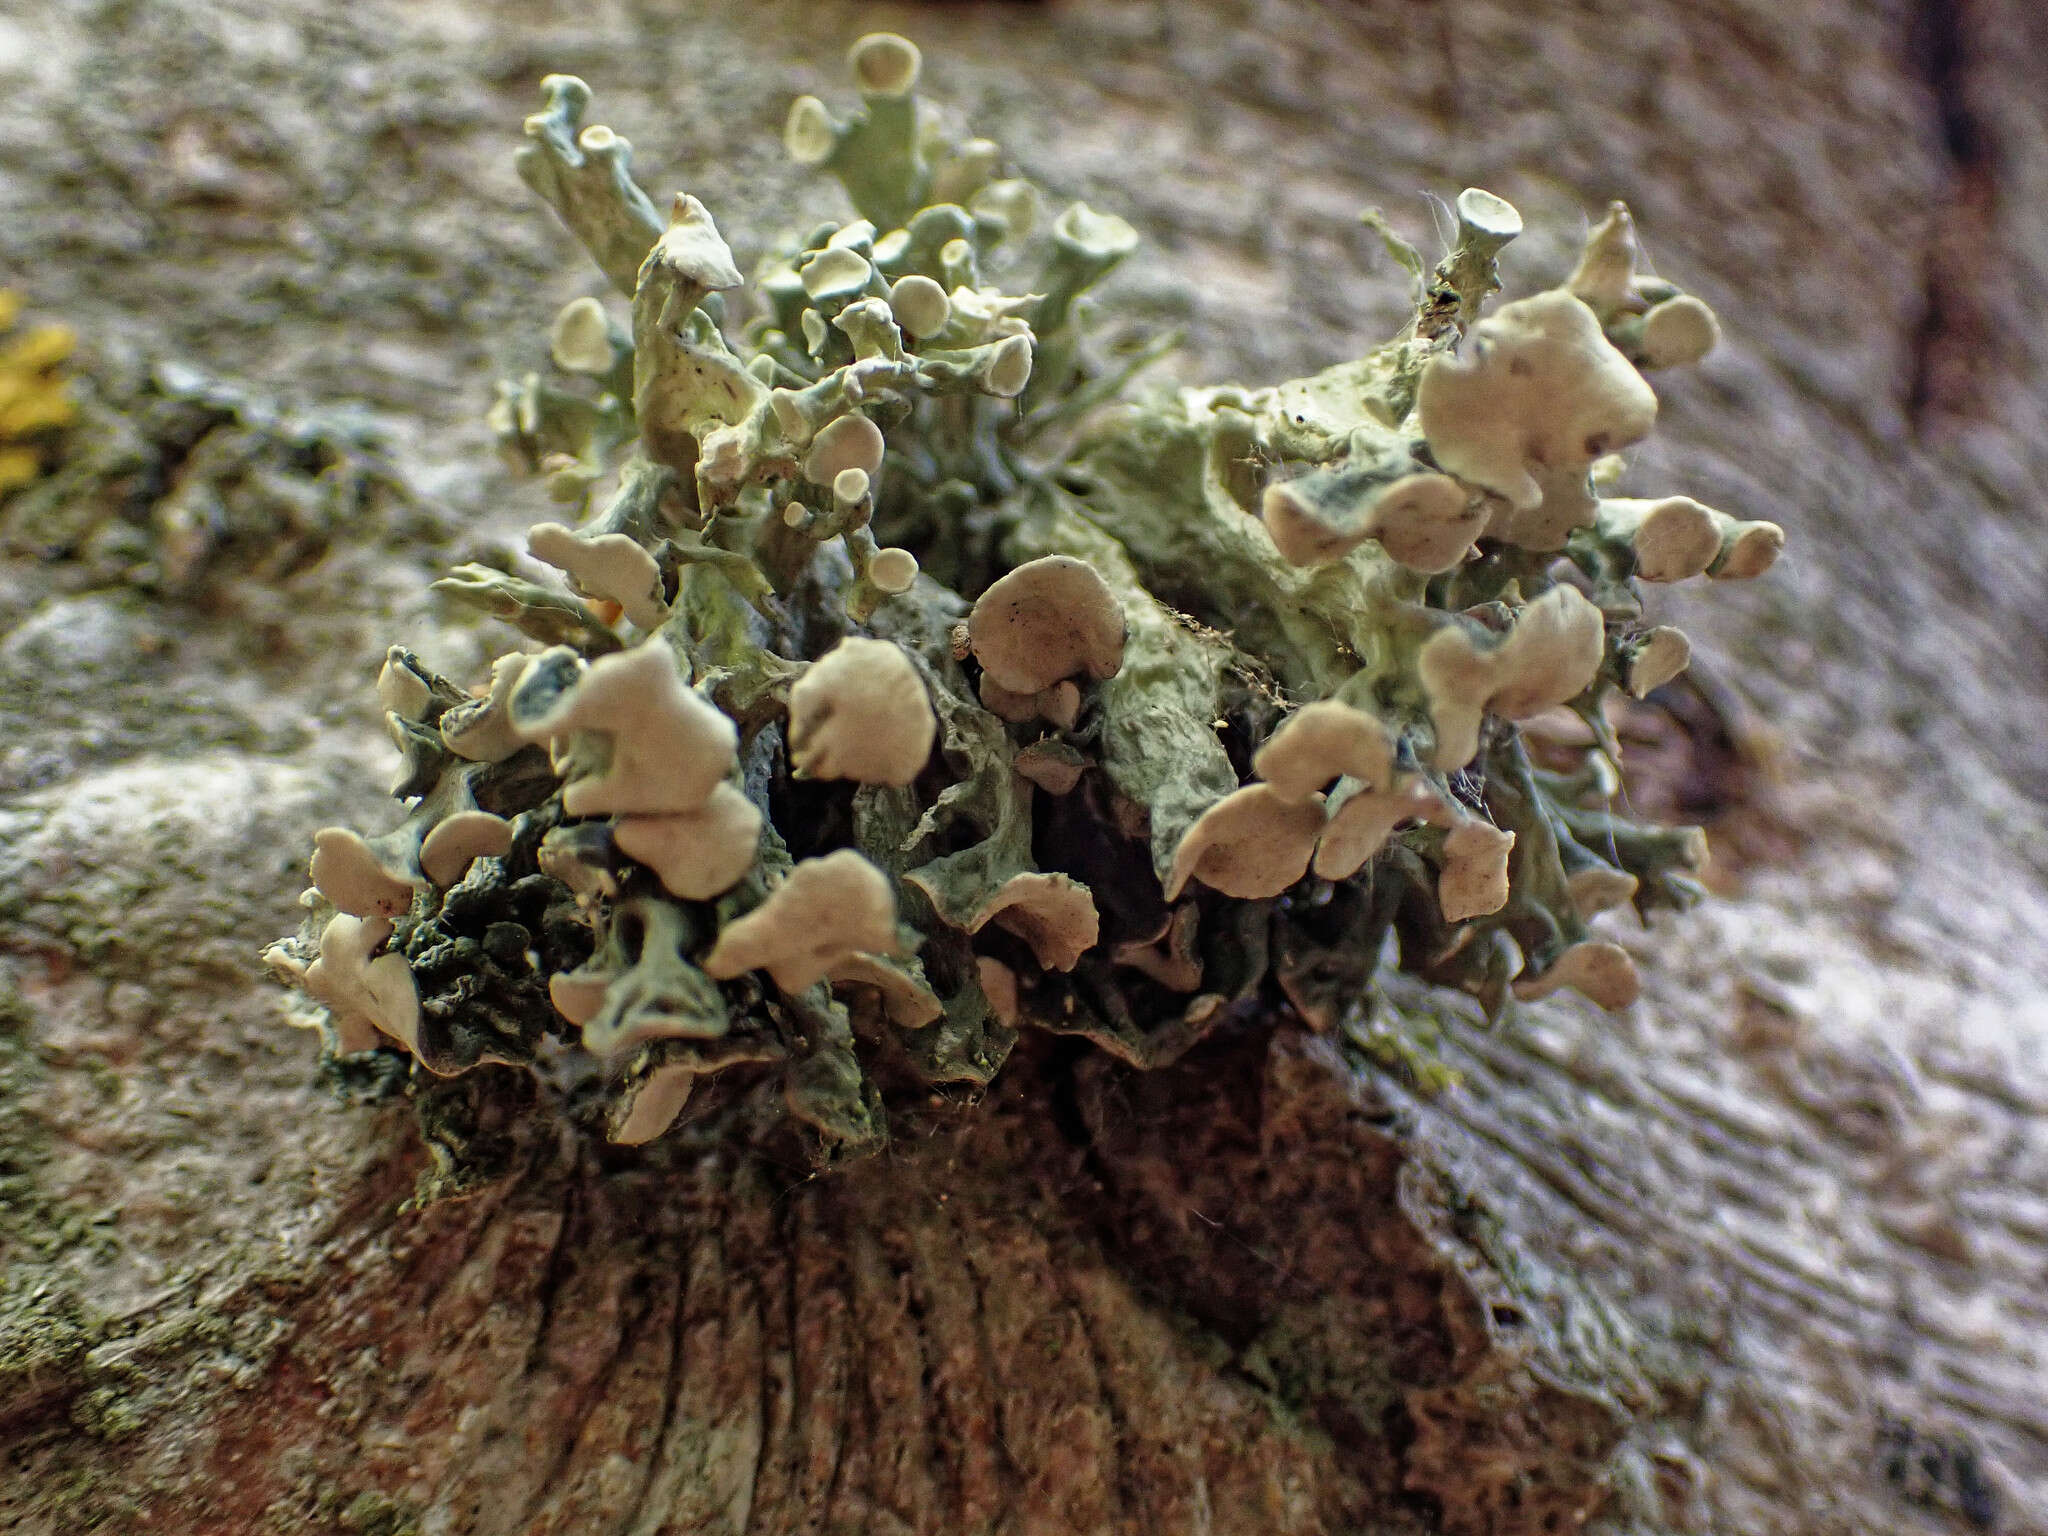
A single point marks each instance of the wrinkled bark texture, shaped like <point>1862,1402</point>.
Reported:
<point>1767,1254</point>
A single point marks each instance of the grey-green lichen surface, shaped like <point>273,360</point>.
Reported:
<point>922,677</point>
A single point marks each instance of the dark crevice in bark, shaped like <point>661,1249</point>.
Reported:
<point>672,1392</point>
<point>840,1355</point>
<point>440,1262</point>
<point>1065,1100</point>
<point>1939,50</point>
<point>1954,344</point>
<point>1008,1469</point>
<point>574,1418</point>
<point>775,1388</point>
<point>561,1261</point>
<point>1122,1433</point>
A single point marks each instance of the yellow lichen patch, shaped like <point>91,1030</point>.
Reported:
<point>35,401</point>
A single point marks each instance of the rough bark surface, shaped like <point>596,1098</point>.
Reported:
<point>1765,1255</point>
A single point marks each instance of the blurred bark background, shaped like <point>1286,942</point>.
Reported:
<point>1767,1254</point>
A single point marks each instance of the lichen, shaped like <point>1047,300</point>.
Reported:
<point>170,477</point>
<point>903,672</point>
<point>35,398</point>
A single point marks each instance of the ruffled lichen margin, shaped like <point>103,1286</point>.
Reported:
<point>920,678</point>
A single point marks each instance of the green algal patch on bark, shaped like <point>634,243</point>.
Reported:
<point>46,1327</point>
<point>36,1224</point>
<point>46,1331</point>
<point>62,1354</point>
<point>371,1514</point>
<point>23,1148</point>
<point>171,478</point>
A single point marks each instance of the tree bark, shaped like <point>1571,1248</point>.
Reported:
<point>1763,1255</point>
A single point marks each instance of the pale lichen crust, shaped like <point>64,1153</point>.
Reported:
<point>912,678</point>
